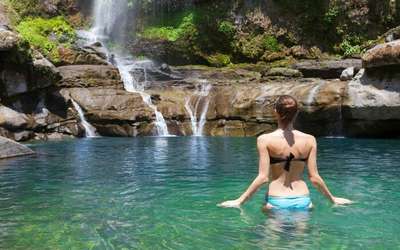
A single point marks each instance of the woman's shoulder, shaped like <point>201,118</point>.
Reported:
<point>267,136</point>
<point>308,137</point>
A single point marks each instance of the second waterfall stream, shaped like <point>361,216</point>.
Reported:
<point>197,107</point>
<point>90,131</point>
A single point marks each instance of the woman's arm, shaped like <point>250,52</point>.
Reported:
<point>262,177</point>
<point>317,180</point>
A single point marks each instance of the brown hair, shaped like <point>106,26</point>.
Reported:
<point>286,107</point>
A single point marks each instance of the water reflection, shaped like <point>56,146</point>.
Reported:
<point>284,228</point>
<point>198,153</point>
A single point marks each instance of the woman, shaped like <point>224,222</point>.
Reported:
<point>283,156</point>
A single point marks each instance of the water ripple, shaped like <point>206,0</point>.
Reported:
<point>153,193</point>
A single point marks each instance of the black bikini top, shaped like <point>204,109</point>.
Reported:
<point>287,160</point>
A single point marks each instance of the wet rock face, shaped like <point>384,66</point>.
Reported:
<point>113,112</point>
<point>372,107</point>
<point>240,104</point>
<point>108,107</point>
<point>81,56</point>
<point>18,76</point>
<point>106,76</point>
<point>247,109</point>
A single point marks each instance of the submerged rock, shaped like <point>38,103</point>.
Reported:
<point>9,148</point>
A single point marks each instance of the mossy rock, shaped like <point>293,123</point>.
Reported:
<point>284,63</point>
<point>46,35</point>
<point>219,60</point>
<point>254,47</point>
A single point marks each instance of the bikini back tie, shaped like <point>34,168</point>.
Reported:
<point>288,161</point>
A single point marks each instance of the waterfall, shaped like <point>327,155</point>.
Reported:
<point>110,20</point>
<point>201,97</point>
<point>90,131</point>
<point>125,66</point>
<point>313,93</point>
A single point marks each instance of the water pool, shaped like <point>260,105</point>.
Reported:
<point>161,193</point>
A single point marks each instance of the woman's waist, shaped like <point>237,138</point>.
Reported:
<point>278,188</point>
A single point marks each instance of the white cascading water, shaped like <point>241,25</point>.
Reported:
<point>110,19</point>
<point>202,97</point>
<point>125,66</point>
<point>90,131</point>
<point>313,93</point>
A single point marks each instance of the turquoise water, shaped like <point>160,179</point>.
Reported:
<point>161,193</point>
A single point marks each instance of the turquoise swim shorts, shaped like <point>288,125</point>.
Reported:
<point>289,202</point>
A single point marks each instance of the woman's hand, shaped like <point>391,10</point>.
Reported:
<point>341,201</point>
<point>233,203</point>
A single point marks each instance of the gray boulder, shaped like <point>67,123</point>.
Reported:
<point>9,148</point>
<point>347,74</point>
<point>386,54</point>
<point>11,119</point>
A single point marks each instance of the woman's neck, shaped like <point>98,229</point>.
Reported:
<point>285,127</point>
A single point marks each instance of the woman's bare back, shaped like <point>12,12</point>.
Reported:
<point>280,145</point>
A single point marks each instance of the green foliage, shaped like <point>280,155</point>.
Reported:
<point>351,47</point>
<point>253,47</point>
<point>164,33</point>
<point>227,28</point>
<point>171,33</point>
<point>219,60</point>
<point>271,44</point>
<point>331,15</point>
<point>47,34</point>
